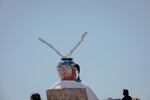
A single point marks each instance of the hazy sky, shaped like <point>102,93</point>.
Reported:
<point>115,54</point>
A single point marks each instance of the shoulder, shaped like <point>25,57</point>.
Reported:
<point>123,98</point>
<point>56,85</point>
<point>90,93</point>
<point>67,84</point>
<point>129,97</point>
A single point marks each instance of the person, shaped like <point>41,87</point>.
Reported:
<point>126,95</point>
<point>69,72</point>
<point>35,96</point>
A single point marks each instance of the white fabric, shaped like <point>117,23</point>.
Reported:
<point>73,84</point>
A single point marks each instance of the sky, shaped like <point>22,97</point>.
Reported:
<point>114,55</point>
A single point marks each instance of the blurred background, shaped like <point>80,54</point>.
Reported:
<point>114,55</point>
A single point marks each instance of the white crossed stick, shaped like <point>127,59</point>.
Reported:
<point>71,51</point>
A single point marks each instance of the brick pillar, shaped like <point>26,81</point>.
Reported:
<point>67,94</point>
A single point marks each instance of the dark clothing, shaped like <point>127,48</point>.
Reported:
<point>126,98</point>
<point>35,96</point>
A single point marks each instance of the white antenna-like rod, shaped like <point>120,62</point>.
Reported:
<point>51,46</point>
<point>77,45</point>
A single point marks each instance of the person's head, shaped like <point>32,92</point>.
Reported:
<point>125,92</point>
<point>35,96</point>
<point>68,70</point>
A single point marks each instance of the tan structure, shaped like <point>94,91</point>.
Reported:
<point>67,94</point>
